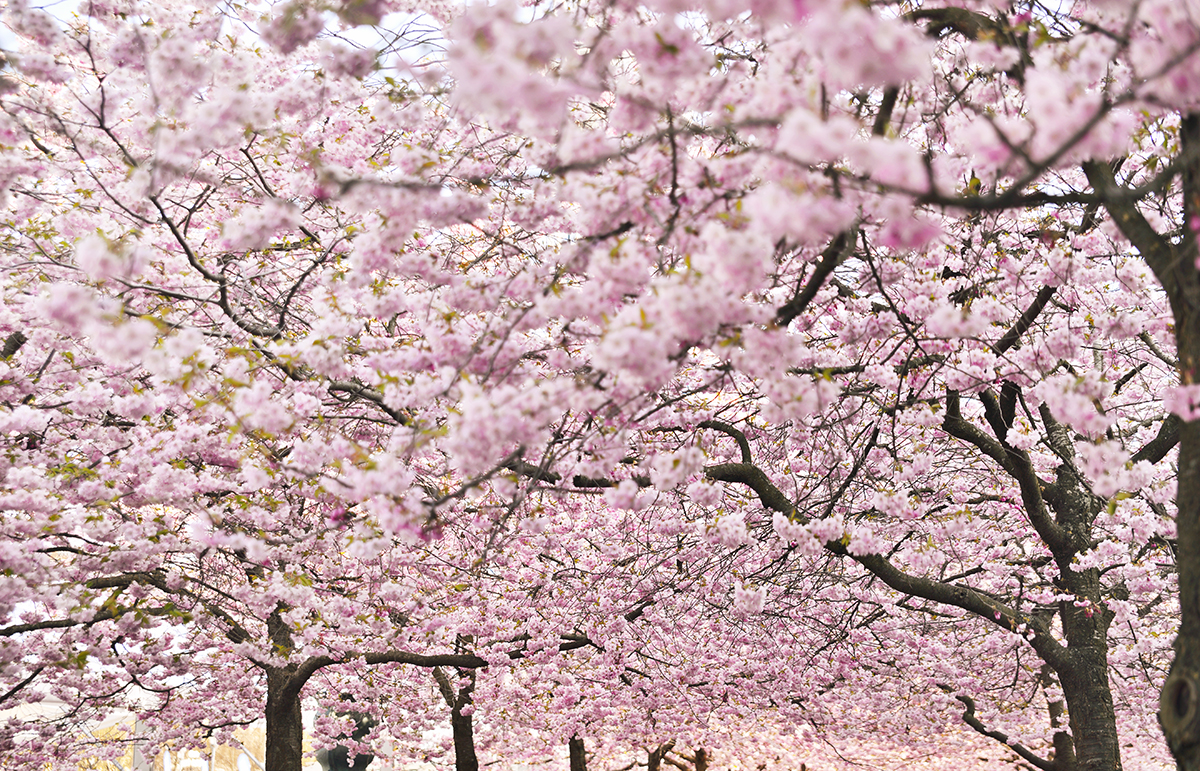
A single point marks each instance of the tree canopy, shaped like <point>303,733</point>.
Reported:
<point>705,383</point>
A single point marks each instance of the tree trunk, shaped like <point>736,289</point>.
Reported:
<point>1064,749</point>
<point>464,732</point>
<point>1084,678</point>
<point>464,741</point>
<point>654,762</point>
<point>701,760</point>
<point>285,725</point>
<point>1090,709</point>
<point>578,754</point>
<point>1179,704</point>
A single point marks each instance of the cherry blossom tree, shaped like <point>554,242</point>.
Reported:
<point>884,298</point>
<point>631,376</point>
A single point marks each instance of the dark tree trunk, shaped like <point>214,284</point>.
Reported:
<point>1174,265</point>
<point>285,726</point>
<point>1084,678</point>
<point>654,762</point>
<point>578,754</point>
<point>701,760</point>
<point>464,732</point>
<point>1179,706</point>
<point>464,742</point>
<point>285,723</point>
<point>1090,708</point>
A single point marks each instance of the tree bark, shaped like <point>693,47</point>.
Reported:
<point>1179,704</point>
<point>1090,709</point>
<point>464,742</point>
<point>578,753</point>
<point>654,761</point>
<point>285,724</point>
<point>1174,265</point>
<point>1063,513</point>
<point>1084,678</point>
<point>461,725</point>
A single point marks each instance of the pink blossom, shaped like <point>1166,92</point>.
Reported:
<point>1183,401</point>
<point>294,25</point>
<point>749,600</point>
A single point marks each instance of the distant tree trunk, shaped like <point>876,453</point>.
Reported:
<point>1064,748</point>
<point>578,754</point>
<point>339,758</point>
<point>701,760</point>
<point>464,732</point>
<point>654,762</point>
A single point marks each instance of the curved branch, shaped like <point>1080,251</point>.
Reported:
<point>19,686</point>
<point>987,608</point>
<point>969,24</point>
<point>969,718</point>
<point>1155,250</point>
<point>1018,466</point>
<point>372,395</point>
<point>753,477</point>
<point>235,633</point>
<point>314,664</point>
<point>733,432</point>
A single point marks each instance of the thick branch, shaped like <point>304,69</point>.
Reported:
<point>314,664</point>
<point>987,608</point>
<point>733,432</point>
<point>969,24</point>
<point>752,476</point>
<point>1163,442</point>
<point>58,623</point>
<point>886,107</point>
<point>963,597</point>
<point>236,633</point>
<point>1155,250</point>
<point>1051,651</point>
